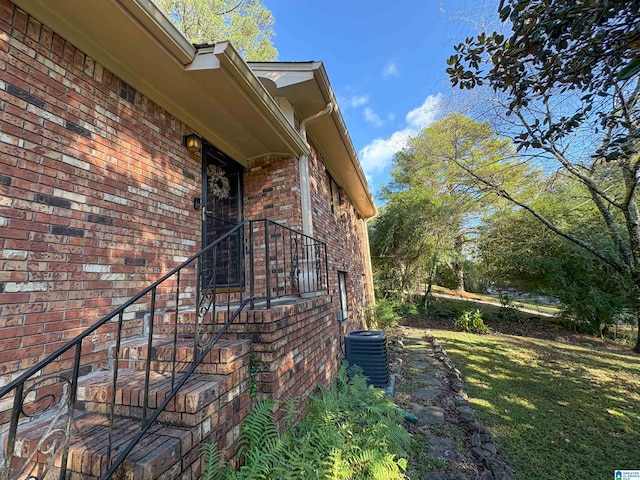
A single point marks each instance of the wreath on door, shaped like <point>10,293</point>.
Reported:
<point>219,185</point>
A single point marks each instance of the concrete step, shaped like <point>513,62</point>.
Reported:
<point>194,401</point>
<point>152,458</point>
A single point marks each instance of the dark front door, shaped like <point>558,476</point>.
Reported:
<point>222,211</point>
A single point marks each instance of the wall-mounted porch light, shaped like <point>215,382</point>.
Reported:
<point>193,143</point>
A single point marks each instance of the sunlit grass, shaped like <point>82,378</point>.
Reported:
<point>539,307</point>
<point>558,411</point>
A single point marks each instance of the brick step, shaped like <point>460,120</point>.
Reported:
<point>193,402</point>
<point>225,357</point>
<point>165,322</point>
<point>152,458</point>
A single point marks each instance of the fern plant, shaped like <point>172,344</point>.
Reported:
<point>350,431</point>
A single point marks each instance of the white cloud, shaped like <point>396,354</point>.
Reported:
<point>420,117</point>
<point>358,101</point>
<point>377,155</point>
<point>372,117</point>
<point>390,70</point>
<point>354,101</point>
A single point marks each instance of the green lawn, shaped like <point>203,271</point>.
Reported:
<point>559,411</point>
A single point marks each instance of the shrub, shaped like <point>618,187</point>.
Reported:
<point>350,431</point>
<point>385,314</point>
<point>471,322</point>
<point>407,309</point>
<point>442,308</point>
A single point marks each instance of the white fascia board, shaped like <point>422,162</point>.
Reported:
<point>232,63</point>
<point>154,20</point>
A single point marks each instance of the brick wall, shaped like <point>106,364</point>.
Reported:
<point>272,190</point>
<point>345,234</point>
<point>95,191</point>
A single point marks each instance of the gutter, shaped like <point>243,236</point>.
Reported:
<point>232,63</point>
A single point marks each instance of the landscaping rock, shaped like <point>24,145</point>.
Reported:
<point>442,448</point>
<point>427,393</point>
<point>456,386</point>
<point>485,437</point>
<point>418,365</point>
<point>475,426</point>
<point>432,416</point>
<point>498,468</point>
<point>475,439</point>
<point>487,475</point>
<point>480,453</point>
<point>467,415</point>
<point>491,448</point>
<point>460,400</point>
<point>429,380</point>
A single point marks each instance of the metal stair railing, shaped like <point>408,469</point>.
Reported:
<point>287,263</point>
<point>49,389</point>
<point>290,262</point>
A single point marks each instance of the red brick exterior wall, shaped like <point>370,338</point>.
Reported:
<point>95,191</point>
<point>96,195</point>
<point>346,238</point>
<point>272,190</point>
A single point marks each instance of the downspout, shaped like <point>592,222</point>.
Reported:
<point>369,264</point>
<point>303,167</point>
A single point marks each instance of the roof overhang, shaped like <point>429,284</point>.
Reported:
<point>306,86</point>
<point>212,90</point>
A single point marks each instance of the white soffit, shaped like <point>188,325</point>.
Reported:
<point>307,87</point>
<point>211,90</point>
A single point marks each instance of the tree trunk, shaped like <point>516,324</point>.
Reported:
<point>459,270</point>
<point>458,265</point>
<point>637,312</point>
<point>432,272</point>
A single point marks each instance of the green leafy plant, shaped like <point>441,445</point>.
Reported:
<point>508,312</point>
<point>350,431</point>
<point>471,321</point>
<point>385,314</point>
<point>254,370</point>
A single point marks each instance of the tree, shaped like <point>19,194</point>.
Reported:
<point>248,24</point>
<point>570,73</point>
<point>405,240</point>
<point>429,162</point>
<point>513,246</point>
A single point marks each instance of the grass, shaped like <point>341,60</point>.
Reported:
<point>495,300</point>
<point>558,410</point>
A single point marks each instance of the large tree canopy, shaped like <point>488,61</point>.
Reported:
<point>513,246</point>
<point>431,208</point>
<point>569,74</point>
<point>248,24</point>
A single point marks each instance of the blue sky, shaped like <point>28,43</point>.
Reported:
<point>386,62</point>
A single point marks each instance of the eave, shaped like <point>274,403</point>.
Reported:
<point>212,90</point>
<point>306,86</point>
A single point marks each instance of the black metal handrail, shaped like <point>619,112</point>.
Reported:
<point>281,262</point>
<point>294,263</point>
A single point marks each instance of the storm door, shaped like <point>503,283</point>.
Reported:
<point>222,210</point>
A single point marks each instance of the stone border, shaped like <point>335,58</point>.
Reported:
<point>480,439</point>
